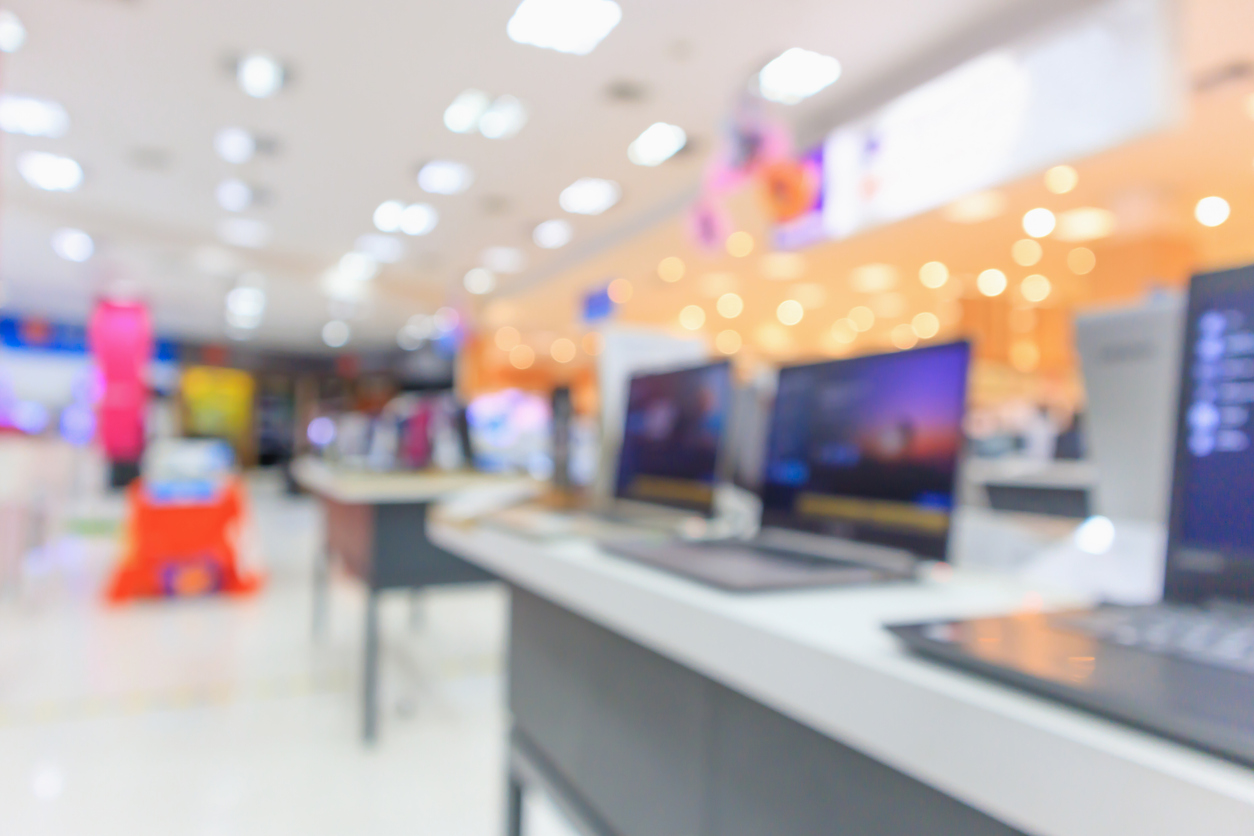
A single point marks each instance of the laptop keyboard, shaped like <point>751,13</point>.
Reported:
<point>1221,636</point>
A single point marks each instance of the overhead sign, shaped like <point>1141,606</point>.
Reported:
<point>1093,83</point>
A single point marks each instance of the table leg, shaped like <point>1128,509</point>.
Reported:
<point>370,672</point>
<point>416,612</point>
<point>513,806</point>
<point>321,584</point>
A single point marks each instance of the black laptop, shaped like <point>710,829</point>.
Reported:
<point>858,482</point>
<point>1185,667</point>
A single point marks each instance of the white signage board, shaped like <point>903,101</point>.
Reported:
<point>1087,84</point>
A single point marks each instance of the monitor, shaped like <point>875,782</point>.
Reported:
<point>867,448</point>
<point>1131,363</point>
<point>672,436</point>
<point>1210,552</point>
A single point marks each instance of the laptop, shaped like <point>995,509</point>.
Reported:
<point>673,436</point>
<point>1131,362</point>
<point>673,439</point>
<point>859,478</point>
<point>1183,668</point>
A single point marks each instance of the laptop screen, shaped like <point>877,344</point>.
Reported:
<point>671,437</point>
<point>867,448</point>
<point>1211,552</point>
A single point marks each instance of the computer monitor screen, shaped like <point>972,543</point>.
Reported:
<point>867,448</point>
<point>672,435</point>
<point>1211,550</point>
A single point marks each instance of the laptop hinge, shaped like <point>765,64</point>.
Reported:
<point>896,561</point>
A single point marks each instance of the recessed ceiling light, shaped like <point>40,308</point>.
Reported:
<point>479,281</point>
<point>235,145</point>
<point>418,219</point>
<point>244,232</point>
<point>336,333</point>
<point>797,74</point>
<point>873,278</point>
<point>387,217</point>
<point>659,142</point>
<point>503,118</point>
<point>1212,211</point>
<point>551,235</point>
<point>1039,222</point>
<point>245,306</point>
<point>260,75</point>
<point>790,312</point>
<point>571,26</point>
<point>30,116</point>
<point>234,195</point>
<point>73,244</point>
<point>1061,179</point>
<point>991,282</point>
<point>357,267</point>
<point>589,196</point>
<point>50,172</point>
<point>504,259</point>
<point>445,177</point>
<point>1086,223</point>
<point>382,248</point>
<point>462,116</point>
<point>12,32</point>
<point>975,208</point>
<point>934,274</point>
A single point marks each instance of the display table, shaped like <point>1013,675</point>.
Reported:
<point>648,704</point>
<point>376,527</point>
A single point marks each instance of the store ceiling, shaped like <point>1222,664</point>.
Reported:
<point>146,84</point>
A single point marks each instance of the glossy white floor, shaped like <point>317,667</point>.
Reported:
<point>223,717</point>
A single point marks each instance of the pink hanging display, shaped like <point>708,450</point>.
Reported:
<point>120,336</point>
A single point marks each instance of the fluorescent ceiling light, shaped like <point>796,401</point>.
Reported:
<point>551,235</point>
<point>479,281</point>
<point>797,74</point>
<point>336,333</point>
<point>234,195</point>
<point>419,219</point>
<point>260,75</point>
<point>235,145</point>
<point>657,144</point>
<point>50,172</point>
<point>387,218</point>
<point>244,232</point>
<point>73,244</point>
<point>30,116</point>
<point>357,267</point>
<point>445,177</point>
<point>503,118</point>
<point>504,259</point>
<point>382,248</point>
<point>589,196</point>
<point>570,26</point>
<point>462,116</point>
<point>12,32</point>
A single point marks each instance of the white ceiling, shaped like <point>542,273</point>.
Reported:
<point>363,110</point>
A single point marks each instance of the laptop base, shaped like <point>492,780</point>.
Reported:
<point>1202,705</point>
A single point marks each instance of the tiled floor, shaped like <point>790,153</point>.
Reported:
<point>224,717</point>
